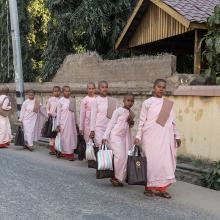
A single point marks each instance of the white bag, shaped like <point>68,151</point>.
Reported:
<point>54,124</point>
<point>104,157</point>
<point>132,152</point>
<point>58,146</point>
<point>90,152</point>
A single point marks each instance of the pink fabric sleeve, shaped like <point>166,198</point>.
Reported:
<point>6,105</point>
<point>23,107</point>
<point>117,104</point>
<point>48,106</point>
<point>142,119</point>
<point>111,124</point>
<point>58,113</point>
<point>75,113</point>
<point>43,111</point>
<point>175,130</point>
<point>82,115</point>
<point>93,115</point>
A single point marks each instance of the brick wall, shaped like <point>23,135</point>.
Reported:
<point>81,68</point>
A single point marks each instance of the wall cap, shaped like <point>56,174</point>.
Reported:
<point>197,91</point>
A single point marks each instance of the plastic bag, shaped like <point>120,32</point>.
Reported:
<point>104,157</point>
<point>58,146</point>
<point>133,152</point>
<point>90,152</point>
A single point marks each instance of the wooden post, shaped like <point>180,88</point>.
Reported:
<point>197,52</point>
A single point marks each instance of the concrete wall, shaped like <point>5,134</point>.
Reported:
<point>197,108</point>
<point>81,68</point>
<point>197,117</point>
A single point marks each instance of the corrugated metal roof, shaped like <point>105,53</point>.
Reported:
<point>193,10</point>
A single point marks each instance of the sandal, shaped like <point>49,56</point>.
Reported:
<point>115,182</point>
<point>30,148</point>
<point>52,153</point>
<point>165,195</point>
<point>149,193</point>
<point>71,159</point>
<point>58,154</point>
<point>25,147</point>
<point>120,184</point>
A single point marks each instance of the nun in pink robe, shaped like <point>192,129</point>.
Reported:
<point>66,120</point>
<point>5,127</point>
<point>99,119</point>
<point>85,116</point>
<point>32,122</point>
<point>158,144</point>
<point>118,134</point>
<point>52,110</point>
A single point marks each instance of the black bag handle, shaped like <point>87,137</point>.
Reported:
<point>93,143</point>
<point>137,149</point>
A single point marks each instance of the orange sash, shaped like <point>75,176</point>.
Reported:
<point>111,107</point>
<point>164,112</point>
<point>72,105</point>
<point>36,106</point>
<point>4,112</point>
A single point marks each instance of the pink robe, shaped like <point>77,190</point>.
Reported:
<point>52,109</point>
<point>5,127</point>
<point>158,143</point>
<point>32,122</point>
<point>99,120</point>
<point>67,122</point>
<point>120,140</point>
<point>85,116</point>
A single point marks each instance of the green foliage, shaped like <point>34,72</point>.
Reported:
<point>81,25</point>
<point>212,179</point>
<point>212,52</point>
<point>50,30</point>
<point>39,17</point>
<point>6,67</point>
<point>23,16</point>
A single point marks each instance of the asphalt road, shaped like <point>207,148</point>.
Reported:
<point>38,186</point>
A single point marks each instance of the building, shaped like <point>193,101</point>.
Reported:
<point>173,26</point>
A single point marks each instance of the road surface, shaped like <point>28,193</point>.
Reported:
<point>39,186</point>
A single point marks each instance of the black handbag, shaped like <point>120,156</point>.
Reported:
<point>47,128</point>
<point>137,168</point>
<point>19,137</point>
<point>81,147</point>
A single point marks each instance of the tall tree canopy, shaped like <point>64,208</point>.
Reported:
<point>83,25</point>
<point>50,30</point>
<point>33,19</point>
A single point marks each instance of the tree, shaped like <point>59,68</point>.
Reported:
<point>39,17</point>
<point>6,67</point>
<point>83,25</point>
<point>6,70</point>
<point>50,30</point>
<point>212,52</point>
